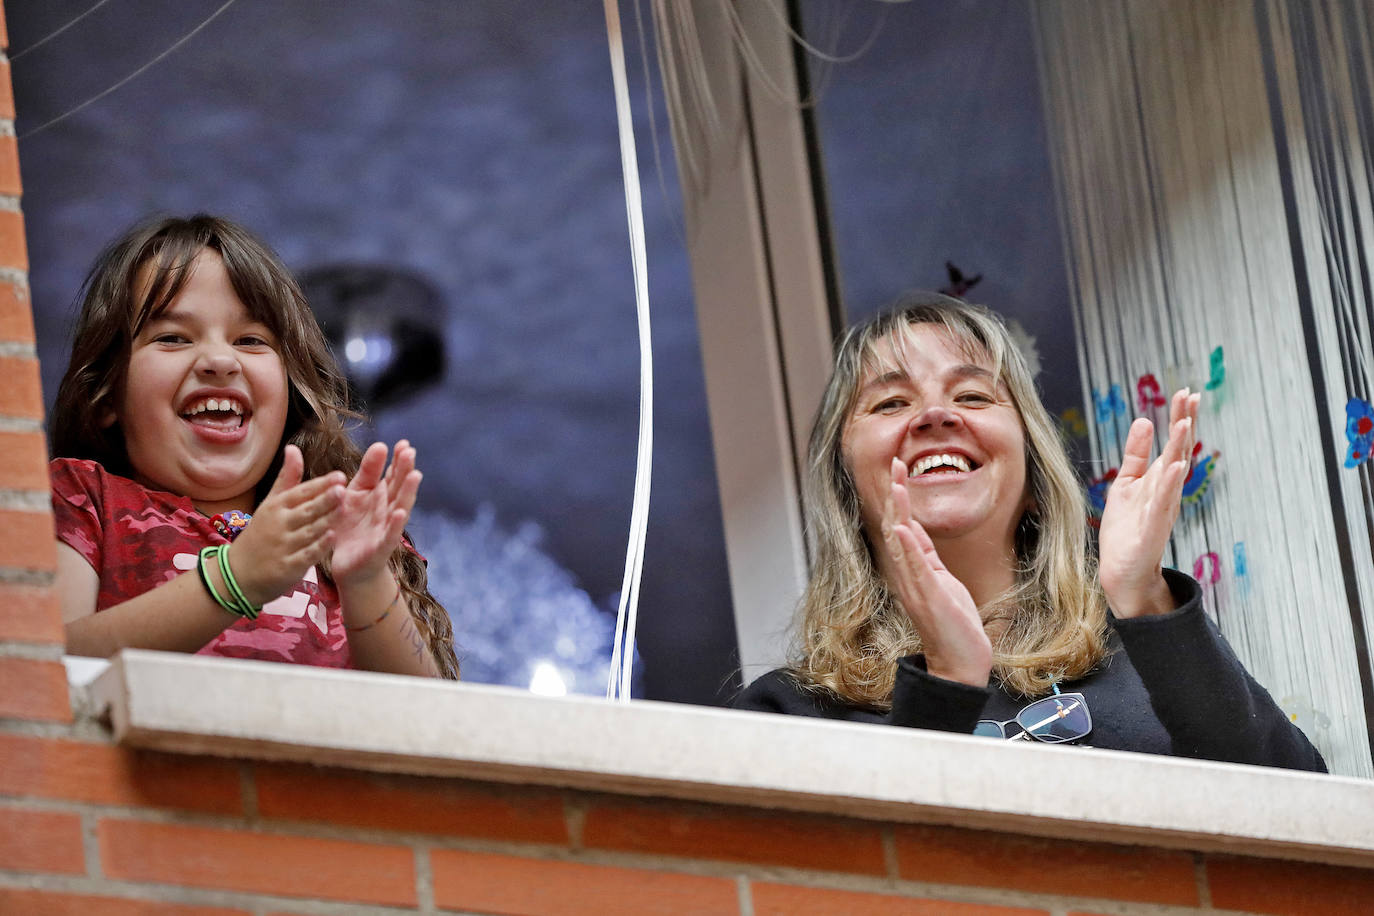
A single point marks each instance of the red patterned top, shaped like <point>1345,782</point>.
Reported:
<point>136,539</point>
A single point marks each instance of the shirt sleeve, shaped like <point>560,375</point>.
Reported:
<point>1210,705</point>
<point>922,700</point>
<point>76,503</point>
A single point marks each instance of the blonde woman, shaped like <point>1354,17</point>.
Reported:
<point>953,585</point>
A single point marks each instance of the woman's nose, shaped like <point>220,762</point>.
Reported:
<point>935,416</point>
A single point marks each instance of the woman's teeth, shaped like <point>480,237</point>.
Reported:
<point>940,463</point>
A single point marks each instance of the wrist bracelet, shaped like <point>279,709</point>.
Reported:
<point>237,603</point>
<point>368,626</point>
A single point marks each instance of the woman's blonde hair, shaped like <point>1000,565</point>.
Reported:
<point>851,630</point>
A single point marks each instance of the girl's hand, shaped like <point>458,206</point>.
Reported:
<point>290,531</point>
<point>955,644</point>
<point>372,513</point>
<point>1142,505</point>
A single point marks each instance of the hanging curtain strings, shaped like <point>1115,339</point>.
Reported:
<point>620,677</point>
<point>58,31</point>
<point>132,76</point>
<point>1172,201</point>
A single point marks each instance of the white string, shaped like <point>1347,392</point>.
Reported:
<point>620,678</point>
<point>132,76</point>
<point>51,35</point>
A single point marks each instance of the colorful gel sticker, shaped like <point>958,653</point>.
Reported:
<point>1097,493</point>
<point>1110,405</point>
<point>1218,370</point>
<point>1201,565</point>
<point>1242,566</point>
<point>1148,392</point>
<point>1200,477</point>
<point>1303,714</point>
<point>1074,424</point>
<point>1359,429</point>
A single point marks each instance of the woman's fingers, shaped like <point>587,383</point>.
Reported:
<point>1135,457</point>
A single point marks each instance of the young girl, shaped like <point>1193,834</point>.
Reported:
<point>200,394</point>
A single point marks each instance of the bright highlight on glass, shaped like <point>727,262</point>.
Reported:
<point>1057,719</point>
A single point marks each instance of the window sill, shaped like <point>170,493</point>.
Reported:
<point>366,721</point>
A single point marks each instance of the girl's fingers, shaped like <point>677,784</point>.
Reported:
<point>292,468</point>
<point>371,468</point>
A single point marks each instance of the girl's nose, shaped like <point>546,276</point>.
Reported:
<point>935,416</point>
<point>217,360</point>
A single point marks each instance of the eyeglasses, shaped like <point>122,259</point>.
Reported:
<point>1057,719</point>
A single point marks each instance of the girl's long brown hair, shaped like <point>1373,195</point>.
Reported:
<point>116,306</point>
<point>851,630</point>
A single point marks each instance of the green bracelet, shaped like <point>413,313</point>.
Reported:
<point>237,603</point>
<point>211,553</point>
<point>246,608</point>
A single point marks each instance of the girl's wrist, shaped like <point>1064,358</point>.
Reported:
<point>363,600</point>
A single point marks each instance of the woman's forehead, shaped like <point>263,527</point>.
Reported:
<point>895,352</point>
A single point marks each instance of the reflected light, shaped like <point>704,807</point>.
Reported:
<point>547,681</point>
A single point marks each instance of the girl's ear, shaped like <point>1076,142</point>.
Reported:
<point>108,418</point>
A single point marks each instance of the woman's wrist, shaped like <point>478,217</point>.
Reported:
<point>1149,600</point>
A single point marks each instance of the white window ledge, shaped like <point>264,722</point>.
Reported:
<point>218,706</point>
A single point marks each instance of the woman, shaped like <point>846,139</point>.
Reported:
<point>953,584</point>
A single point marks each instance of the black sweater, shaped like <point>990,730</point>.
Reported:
<point>1170,685</point>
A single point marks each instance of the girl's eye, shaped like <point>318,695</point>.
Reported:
<point>166,337</point>
<point>253,340</point>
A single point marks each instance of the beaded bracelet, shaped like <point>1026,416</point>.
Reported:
<point>368,626</point>
<point>237,603</point>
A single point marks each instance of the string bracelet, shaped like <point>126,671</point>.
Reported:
<point>236,602</point>
<point>384,615</point>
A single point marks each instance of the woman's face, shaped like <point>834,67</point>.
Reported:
<point>956,430</point>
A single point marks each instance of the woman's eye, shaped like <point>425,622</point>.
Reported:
<point>889,404</point>
<point>974,397</point>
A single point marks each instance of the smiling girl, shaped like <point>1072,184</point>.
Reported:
<point>200,395</point>
<point>953,586</point>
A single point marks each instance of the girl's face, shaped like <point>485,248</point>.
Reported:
<point>956,429</point>
<point>205,399</point>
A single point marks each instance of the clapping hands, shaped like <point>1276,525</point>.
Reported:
<point>1142,506</point>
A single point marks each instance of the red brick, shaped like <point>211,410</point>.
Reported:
<point>21,391</point>
<point>34,689</point>
<point>104,774</point>
<point>410,803</point>
<point>16,315</point>
<point>40,841</point>
<point>51,903</point>
<point>27,539</point>
<point>6,92</point>
<point>950,855</point>
<point>724,833</point>
<point>25,461</point>
<point>30,613</point>
<point>265,863</point>
<point>14,252</point>
<point>1288,888</point>
<point>487,883</point>
<point>787,899</point>
<point>9,166</point>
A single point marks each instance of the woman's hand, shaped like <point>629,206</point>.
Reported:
<point>290,531</point>
<point>1142,505</point>
<point>956,646</point>
<point>372,513</point>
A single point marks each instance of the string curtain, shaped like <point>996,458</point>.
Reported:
<point>1212,163</point>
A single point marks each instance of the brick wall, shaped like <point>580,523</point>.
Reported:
<point>88,827</point>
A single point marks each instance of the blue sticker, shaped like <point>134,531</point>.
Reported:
<point>1359,429</point>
